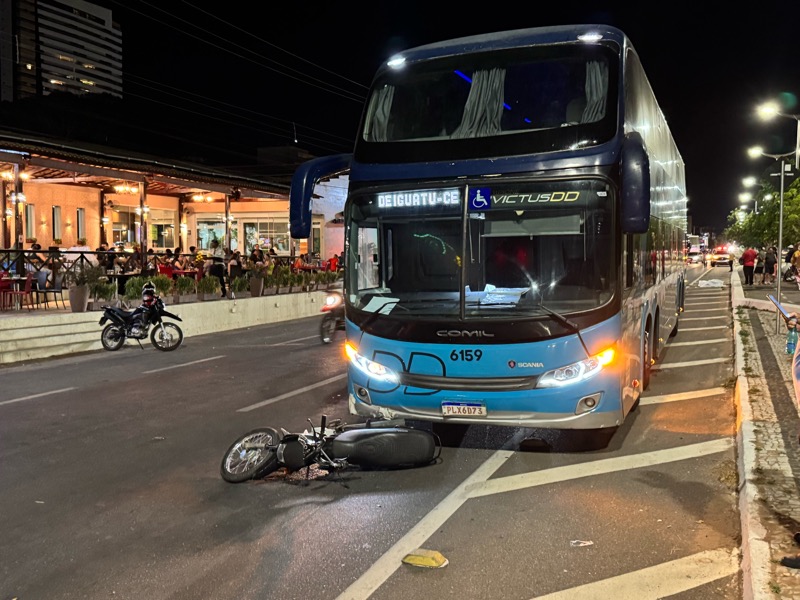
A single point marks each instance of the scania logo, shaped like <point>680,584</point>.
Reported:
<point>513,364</point>
<point>464,333</point>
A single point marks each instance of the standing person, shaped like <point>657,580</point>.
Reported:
<point>731,258</point>
<point>770,262</point>
<point>217,267</point>
<point>749,258</point>
<point>257,256</point>
<point>762,256</point>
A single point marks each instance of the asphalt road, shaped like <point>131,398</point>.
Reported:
<point>109,468</point>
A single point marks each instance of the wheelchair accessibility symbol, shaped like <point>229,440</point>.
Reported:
<point>480,198</point>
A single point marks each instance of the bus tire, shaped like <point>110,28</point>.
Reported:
<point>646,359</point>
<point>588,440</point>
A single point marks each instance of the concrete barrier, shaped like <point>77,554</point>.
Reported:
<point>35,336</point>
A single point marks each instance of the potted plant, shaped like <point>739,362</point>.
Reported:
<point>30,240</point>
<point>240,284</point>
<point>133,288</point>
<point>256,280</point>
<point>81,241</point>
<point>102,290</point>
<point>283,278</point>
<point>163,284</point>
<point>183,286</point>
<point>208,284</point>
<point>81,280</point>
<point>56,241</point>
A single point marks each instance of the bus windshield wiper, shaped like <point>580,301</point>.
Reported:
<point>570,324</point>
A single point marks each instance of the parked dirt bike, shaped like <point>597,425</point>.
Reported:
<point>333,320</point>
<point>138,323</point>
<point>332,446</point>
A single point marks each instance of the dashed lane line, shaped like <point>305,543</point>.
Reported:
<point>292,393</point>
<point>34,396</point>
<point>194,362</point>
<point>684,329</point>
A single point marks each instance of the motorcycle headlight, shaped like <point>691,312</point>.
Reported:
<point>577,371</point>
<point>369,367</point>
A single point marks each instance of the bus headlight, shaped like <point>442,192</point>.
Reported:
<point>369,367</point>
<point>577,371</point>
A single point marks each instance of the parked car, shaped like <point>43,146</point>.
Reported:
<point>694,258</point>
<point>720,257</point>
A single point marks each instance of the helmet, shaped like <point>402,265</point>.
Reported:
<point>148,293</point>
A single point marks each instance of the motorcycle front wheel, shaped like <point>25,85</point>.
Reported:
<point>251,456</point>
<point>327,329</point>
<point>112,337</point>
<point>168,339</point>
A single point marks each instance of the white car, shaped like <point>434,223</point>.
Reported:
<point>694,258</point>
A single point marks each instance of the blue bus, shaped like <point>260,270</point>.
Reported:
<point>514,232</point>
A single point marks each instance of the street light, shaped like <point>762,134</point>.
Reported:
<point>755,152</point>
<point>770,110</point>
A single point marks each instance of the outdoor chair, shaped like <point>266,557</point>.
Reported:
<point>25,295</point>
<point>57,290</point>
<point>5,284</point>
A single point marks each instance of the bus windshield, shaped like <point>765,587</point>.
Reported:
<point>525,251</point>
<point>547,98</point>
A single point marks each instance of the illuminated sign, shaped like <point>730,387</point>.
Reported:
<point>519,199</point>
<point>420,198</point>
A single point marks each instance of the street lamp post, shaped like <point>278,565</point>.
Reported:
<point>756,152</point>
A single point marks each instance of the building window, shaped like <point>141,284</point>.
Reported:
<point>30,221</point>
<point>161,229</point>
<point>267,233</point>
<point>56,223</point>
<point>80,219</point>
<point>210,230</point>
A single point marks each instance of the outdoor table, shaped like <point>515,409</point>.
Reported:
<point>185,272</point>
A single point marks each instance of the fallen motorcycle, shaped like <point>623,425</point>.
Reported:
<point>332,446</point>
<point>333,320</point>
<point>136,324</point>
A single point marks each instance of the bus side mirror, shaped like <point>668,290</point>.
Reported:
<point>635,185</point>
<point>305,177</point>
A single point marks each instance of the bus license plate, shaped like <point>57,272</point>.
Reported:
<point>463,409</point>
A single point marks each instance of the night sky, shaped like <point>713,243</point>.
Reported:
<point>238,80</point>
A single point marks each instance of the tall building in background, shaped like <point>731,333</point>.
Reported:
<point>58,45</point>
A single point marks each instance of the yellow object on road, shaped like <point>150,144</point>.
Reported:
<point>431,559</point>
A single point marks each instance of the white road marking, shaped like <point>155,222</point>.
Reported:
<point>523,481</point>
<point>659,581</point>
<point>387,564</point>
<point>478,484</point>
<point>294,341</point>
<point>682,396</point>
<point>697,310</point>
<point>292,393</point>
<point>691,363</point>
<point>704,318</point>
<point>34,396</point>
<point>698,343</point>
<point>194,362</point>
<point>684,329</point>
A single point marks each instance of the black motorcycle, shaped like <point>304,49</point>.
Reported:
<point>333,320</point>
<point>332,446</point>
<point>138,323</point>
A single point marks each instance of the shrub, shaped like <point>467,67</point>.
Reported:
<point>163,284</point>
<point>208,285</point>
<point>240,284</point>
<point>133,288</point>
<point>185,285</point>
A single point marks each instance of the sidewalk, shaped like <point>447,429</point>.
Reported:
<point>768,451</point>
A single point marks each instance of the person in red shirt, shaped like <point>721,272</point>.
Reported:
<point>749,257</point>
<point>333,263</point>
